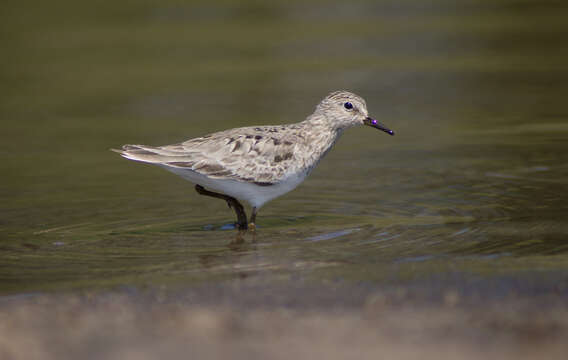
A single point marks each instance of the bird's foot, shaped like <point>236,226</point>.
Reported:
<point>252,229</point>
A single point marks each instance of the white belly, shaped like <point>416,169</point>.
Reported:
<point>254,194</point>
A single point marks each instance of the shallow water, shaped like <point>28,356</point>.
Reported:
<point>472,189</point>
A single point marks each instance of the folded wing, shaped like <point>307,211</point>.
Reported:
<point>260,155</point>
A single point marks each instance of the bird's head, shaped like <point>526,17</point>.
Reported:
<point>345,109</point>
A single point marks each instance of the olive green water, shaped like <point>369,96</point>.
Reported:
<point>471,193</point>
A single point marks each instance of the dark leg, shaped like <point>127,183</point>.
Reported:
<point>231,201</point>
<point>252,224</point>
<point>253,216</point>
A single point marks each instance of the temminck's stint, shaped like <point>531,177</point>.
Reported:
<point>258,163</point>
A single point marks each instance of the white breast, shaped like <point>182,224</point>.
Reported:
<point>254,194</point>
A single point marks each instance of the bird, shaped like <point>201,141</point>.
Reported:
<point>257,164</point>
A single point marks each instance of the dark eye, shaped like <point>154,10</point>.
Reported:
<point>348,105</point>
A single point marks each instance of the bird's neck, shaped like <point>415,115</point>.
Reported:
<point>319,139</point>
<point>321,128</point>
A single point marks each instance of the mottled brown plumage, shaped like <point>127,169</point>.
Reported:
<point>259,163</point>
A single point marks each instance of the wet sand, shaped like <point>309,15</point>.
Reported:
<point>391,325</point>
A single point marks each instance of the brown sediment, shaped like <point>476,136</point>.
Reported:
<point>122,327</point>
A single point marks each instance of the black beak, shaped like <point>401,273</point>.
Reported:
<point>377,125</point>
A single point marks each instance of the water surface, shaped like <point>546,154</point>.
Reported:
<point>473,186</point>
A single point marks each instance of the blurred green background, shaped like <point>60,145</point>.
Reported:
<point>473,185</point>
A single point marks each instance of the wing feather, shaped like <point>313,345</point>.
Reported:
<point>262,155</point>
